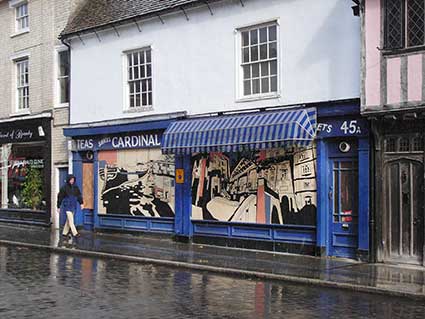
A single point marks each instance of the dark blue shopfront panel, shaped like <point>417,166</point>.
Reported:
<point>343,179</point>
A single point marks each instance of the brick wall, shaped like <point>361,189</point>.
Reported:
<point>47,18</point>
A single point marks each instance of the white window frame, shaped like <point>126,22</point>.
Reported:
<point>18,86</point>
<point>16,5</point>
<point>240,97</point>
<point>126,89</point>
<point>57,77</point>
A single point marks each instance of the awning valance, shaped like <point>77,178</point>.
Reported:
<point>250,131</point>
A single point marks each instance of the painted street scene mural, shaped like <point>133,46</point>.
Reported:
<point>268,187</point>
<point>136,182</point>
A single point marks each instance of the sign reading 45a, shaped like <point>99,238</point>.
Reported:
<point>350,127</point>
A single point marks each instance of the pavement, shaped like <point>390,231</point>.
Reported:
<point>395,280</point>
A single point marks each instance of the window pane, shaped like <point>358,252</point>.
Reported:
<point>245,38</point>
<point>64,90</point>
<point>390,144</point>
<point>63,63</point>
<point>404,144</point>
<point>137,102</point>
<point>347,195</point>
<point>149,70</point>
<point>254,53</point>
<point>131,100</point>
<point>272,50</point>
<point>148,56</point>
<point>247,87</point>
<point>150,85</point>
<point>272,33</point>
<point>273,67</point>
<point>136,72</point>
<point>394,24</point>
<point>273,85</point>
<point>263,51</point>
<point>256,86</point>
<point>263,35</point>
<point>144,86</point>
<point>415,22</point>
<point>150,98</point>
<point>254,36</point>
<point>137,87</point>
<point>418,144</point>
<point>245,55</point>
<point>255,70</point>
<point>336,197</point>
<point>142,72</point>
<point>264,85</point>
<point>144,99</point>
<point>136,58</point>
<point>246,72</point>
<point>264,68</point>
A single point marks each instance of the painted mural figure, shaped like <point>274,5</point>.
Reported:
<point>268,187</point>
<point>132,186</point>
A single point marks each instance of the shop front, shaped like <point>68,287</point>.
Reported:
<point>289,180</point>
<point>25,170</point>
<point>126,181</point>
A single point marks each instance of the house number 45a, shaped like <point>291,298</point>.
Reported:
<point>350,127</point>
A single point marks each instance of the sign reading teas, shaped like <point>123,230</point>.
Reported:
<point>137,140</point>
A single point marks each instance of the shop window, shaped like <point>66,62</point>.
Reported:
<point>404,144</point>
<point>404,23</point>
<point>259,60</point>
<point>26,177</point>
<point>139,79</point>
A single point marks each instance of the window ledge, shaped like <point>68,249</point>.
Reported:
<point>61,106</point>
<point>139,109</point>
<point>392,52</point>
<point>20,32</point>
<point>20,113</point>
<point>258,97</point>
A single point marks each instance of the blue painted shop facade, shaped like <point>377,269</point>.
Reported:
<point>284,179</point>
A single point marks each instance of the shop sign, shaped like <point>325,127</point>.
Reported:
<point>18,134</point>
<point>128,141</point>
<point>344,127</point>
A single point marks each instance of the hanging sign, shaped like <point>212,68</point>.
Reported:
<point>343,127</point>
<point>121,141</point>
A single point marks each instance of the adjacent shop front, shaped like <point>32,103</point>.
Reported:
<point>290,180</point>
<point>127,183</point>
<point>25,170</point>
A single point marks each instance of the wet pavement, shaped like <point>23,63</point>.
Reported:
<point>331,272</point>
<point>41,284</point>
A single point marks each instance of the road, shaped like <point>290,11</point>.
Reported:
<point>38,284</point>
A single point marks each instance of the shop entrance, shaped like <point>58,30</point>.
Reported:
<point>343,201</point>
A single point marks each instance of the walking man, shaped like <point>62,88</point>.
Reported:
<point>69,198</point>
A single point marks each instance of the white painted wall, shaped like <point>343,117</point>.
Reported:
<point>194,62</point>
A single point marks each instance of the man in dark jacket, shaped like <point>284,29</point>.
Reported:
<point>69,198</point>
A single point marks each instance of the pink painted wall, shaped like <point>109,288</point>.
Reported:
<point>393,81</point>
<point>414,77</point>
<point>372,42</point>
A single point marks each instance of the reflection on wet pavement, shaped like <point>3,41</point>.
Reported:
<point>38,284</point>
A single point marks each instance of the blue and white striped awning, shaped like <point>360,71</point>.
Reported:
<point>250,131</point>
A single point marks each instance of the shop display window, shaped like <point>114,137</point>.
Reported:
<point>25,177</point>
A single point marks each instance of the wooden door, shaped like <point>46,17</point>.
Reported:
<point>404,210</point>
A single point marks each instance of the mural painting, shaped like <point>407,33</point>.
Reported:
<point>136,182</point>
<point>267,187</point>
